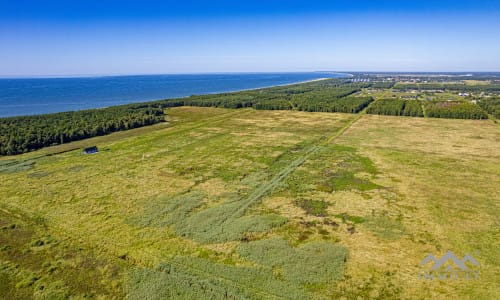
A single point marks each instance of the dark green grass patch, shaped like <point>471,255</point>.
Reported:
<point>313,207</point>
<point>333,168</point>
<point>353,219</point>
<point>345,180</point>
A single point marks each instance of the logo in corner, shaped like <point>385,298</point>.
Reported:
<point>449,267</point>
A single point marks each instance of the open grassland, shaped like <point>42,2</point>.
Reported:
<point>221,203</point>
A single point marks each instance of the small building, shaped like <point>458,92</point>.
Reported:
<point>90,150</point>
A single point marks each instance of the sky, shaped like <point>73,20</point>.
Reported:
<point>107,37</point>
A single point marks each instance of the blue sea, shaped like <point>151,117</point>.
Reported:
<point>30,96</point>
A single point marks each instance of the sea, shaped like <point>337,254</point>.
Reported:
<point>31,96</point>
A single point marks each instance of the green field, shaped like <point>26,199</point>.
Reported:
<point>223,203</point>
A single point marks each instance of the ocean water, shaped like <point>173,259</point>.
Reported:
<point>30,96</point>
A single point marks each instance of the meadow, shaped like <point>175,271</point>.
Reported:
<point>254,204</point>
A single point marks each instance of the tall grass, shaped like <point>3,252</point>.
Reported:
<point>281,272</point>
<point>214,224</point>
<point>311,264</point>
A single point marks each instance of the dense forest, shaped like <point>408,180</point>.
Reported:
<point>23,134</point>
<point>454,110</point>
<point>314,96</point>
<point>396,107</point>
<point>491,105</point>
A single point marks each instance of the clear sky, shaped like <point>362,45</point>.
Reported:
<point>141,37</point>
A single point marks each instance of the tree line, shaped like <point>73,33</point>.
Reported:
<point>320,96</point>
<point>27,133</point>
<point>396,107</point>
<point>491,105</point>
<point>454,110</point>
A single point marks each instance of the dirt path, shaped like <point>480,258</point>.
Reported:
<point>264,189</point>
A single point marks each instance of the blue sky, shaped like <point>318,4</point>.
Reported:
<point>143,37</point>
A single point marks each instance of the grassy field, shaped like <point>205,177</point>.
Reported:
<point>220,203</point>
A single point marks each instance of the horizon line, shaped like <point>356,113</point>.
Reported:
<point>62,76</point>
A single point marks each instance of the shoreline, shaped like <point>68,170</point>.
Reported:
<point>342,75</point>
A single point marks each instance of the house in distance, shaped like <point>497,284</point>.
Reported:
<point>90,150</point>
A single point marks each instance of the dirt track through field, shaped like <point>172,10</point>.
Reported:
<point>283,174</point>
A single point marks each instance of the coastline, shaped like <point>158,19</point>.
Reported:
<point>5,106</point>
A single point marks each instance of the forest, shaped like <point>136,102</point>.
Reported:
<point>314,96</point>
<point>491,105</point>
<point>396,107</point>
<point>27,133</point>
<point>454,110</point>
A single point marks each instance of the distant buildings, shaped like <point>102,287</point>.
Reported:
<point>360,80</point>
